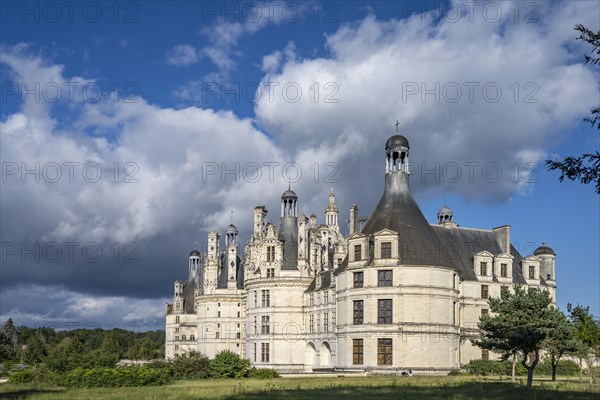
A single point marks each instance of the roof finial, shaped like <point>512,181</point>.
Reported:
<point>397,124</point>
<point>289,186</point>
<point>232,216</point>
<point>444,197</point>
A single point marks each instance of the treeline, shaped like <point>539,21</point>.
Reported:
<point>66,350</point>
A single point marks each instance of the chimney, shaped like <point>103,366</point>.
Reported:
<point>353,219</point>
<point>503,237</point>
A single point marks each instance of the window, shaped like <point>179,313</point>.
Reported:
<point>176,330</point>
<point>255,298</point>
<point>254,352</point>
<point>504,270</point>
<point>238,335</point>
<point>384,278</point>
<point>311,323</point>
<point>176,347</point>
<point>384,311</point>
<point>503,291</point>
<point>264,325</point>
<point>357,351</point>
<point>386,250</point>
<point>218,335</point>
<point>255,325</point>
<point>176,337</point>
<point>357,252</point>
<point>192,337</point>
<point>333,319</point>
<point>218,314</point>
<point>358,312</point>
<point>483,266</point>
<point>265,300</point>
<point>177,319</point>
<point>485,354</point>
<point>326,322</point>
<point>311,299</point>
<point>318,322</point>
<point>532,272</point>
<point>270,272</point>
<point>270,253</point>
<point>264,352</point>
<point>326,297</point>
<point>485,312</point>
<point>384,351</point>
<point>238,314</point>
<point>484,291</point>
<point>359,279</point>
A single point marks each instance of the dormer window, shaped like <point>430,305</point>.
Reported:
<point>532,272</point>
<point>386,250</point>
<point>357,252</point>
<point>270,253</point>
<point>483,267</point>
<point>504,270</point>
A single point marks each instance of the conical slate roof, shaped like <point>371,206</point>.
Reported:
<point>398,211</point>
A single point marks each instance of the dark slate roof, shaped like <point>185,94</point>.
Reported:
<point>325,282</point>
<point>194,253</point>
<point>518,277</point>
<point>288,234</point>
<point>460,244</point>
<point>543,249</point>
<point>396,140</point>
<point>189,296</point>
<point>398,211</point>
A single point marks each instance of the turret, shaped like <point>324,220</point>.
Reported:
<point>331,212</point>
<point>289,229</point>
<point>547,262</point>
<point>231,248</point>
<point>260,214</point>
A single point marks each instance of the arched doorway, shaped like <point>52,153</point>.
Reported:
<point>310,356</point>
<point>325,355</point>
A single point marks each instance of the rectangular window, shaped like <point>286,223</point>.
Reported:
<point>217,335</point>
<point>176,337</point>
<point>254,352</point>
<point>504,270</point>
<point>483,267</point>
<point>384,278</point>
<point>532,272</point>
<point>357,351</point>
<point>358,312</point>
<point>265,299</point>
<point>177,319</point>
<point>384,311</point>
<point>311,299</point>
<point>264,325</point>
<point>326,322</point>
<point>484,291</point>
<point>386,250</point>
<point>264,352</point>
<point>318,322</point>
<point>485,312</point>
<point>270,253</point>
<point>255,325</point>
<point>182,337</point>
<point>357,252</point>
<point>311,323</point>
<point>359,279</point>
<point>485,354</point>
<point>503,291</point>
<point>270,272</point>
<point>384,351</point>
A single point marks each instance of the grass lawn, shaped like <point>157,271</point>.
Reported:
<point>322,388</point>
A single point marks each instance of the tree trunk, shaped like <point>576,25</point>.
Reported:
<point>590,365</point>
<point>514,368</point>
<point>530,368</point>
<point>554,363</point>
<point>580,370</point>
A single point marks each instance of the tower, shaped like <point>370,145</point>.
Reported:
<point>289,229</point>
<point>260,214</point>
<point>331,212</point>
<point>212,263</point>
<point>445,217</point>
<point>231,248</point>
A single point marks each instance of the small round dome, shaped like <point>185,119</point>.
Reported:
<point>543,249</point>
<point>289,194</point>
<point>445,210</point>
<point>396,140</point>
<point>194,253</point>
<point>232,229</point>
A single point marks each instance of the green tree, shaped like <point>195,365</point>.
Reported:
<point>519,324</point>
<point>587,333</point>
<point>560,339</point>
<point>36,350</point>
<point>585,168</point>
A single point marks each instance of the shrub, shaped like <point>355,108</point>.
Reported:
<point>491,367</point>
<point>564,368</point>
<point>22,377</point>
<point>454,372</point>
<point>113,377</point>
<point>227,364</point>
<point>191,366</point>
<point>262,373</point>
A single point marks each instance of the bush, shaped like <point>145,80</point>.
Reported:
<point>564,368</point>
<point>454,372</point>
<point>262,373</point>
<point>113,377</point>
<point>22,377</point>
<point>227,364</point>
<point>491,367</point>
<point>191,366</point>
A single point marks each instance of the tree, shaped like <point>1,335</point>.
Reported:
<point>228,364</point>
<point>587,333</point>
<point>519,325</point>
<point>585,168</point>
<point>560,340</point>
<point>36,350</point>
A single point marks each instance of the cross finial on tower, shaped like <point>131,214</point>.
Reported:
<point>397,124</point>
<point>232,216</point>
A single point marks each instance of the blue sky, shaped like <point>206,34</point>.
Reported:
<point>360,66</point>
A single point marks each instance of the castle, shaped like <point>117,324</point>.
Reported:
<point>399,294</point>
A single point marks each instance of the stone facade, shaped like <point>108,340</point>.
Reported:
<point>400,293</point>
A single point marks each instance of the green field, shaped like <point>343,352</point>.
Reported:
<point>322,388</point>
